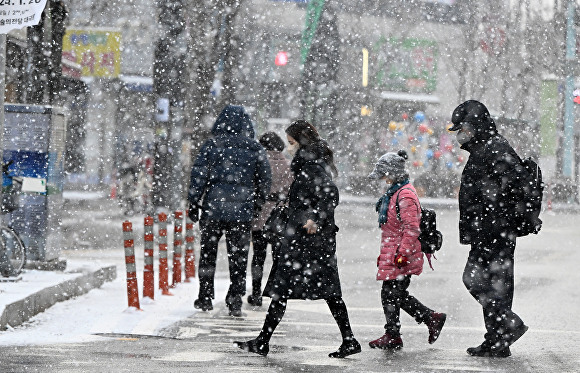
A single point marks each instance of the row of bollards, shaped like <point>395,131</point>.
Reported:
<point>148,270</point>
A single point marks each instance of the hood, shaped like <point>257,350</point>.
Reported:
<point>233,120</point>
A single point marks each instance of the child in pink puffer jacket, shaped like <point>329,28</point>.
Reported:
<point>401,254</point>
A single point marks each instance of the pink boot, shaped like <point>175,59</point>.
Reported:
<point>386,342</point>
<point>435,324</point>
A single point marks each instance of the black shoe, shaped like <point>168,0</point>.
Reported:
<point>255,300</point>
<point>203,303</point>
<point>236,312</point>
<point>490,349</point>
<point>515,335</point>
<point>347,348</point>
<point>255,345</point>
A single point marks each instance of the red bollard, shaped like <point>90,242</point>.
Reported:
<point>148,272</point>
<point>189,254</point>
<point>132,289</point>
<point>177,242</point>
<point>163,270</point>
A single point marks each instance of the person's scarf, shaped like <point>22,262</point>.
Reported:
<point>382,205</point>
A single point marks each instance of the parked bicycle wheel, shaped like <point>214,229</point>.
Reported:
<point>13,256</point>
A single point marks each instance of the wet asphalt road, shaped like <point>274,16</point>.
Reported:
<point>547,297</point>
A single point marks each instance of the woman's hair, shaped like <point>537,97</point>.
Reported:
<point>307,136</point>
<point>303,132</point>
<point>271,141</point>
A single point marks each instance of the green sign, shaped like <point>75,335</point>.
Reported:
<point>313,13</point>
<point>549,116</point>
<point>408,65</point>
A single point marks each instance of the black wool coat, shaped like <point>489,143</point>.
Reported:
<point>491,184</point>
<point>307,266</point>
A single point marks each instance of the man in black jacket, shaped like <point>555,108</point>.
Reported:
<point>233,176</point>
<point>490,189</point>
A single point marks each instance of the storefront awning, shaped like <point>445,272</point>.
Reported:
<point>137,83</point>
<point>410,97</point>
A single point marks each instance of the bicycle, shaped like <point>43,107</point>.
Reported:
<point>12,249</point>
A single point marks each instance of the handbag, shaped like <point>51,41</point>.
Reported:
<point>275,225</point>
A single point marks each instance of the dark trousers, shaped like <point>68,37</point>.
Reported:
<point>278,308</point>
<point>260,244</point>
<point>489,278</point>
<point>238,243</point>
<point>394,297</point>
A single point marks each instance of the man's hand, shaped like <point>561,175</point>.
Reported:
<point>310,227</point>
<point>193,213</point>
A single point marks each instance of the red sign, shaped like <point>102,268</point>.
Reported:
<point>493,40</point>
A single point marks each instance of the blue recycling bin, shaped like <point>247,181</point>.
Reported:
<point>34,139</point>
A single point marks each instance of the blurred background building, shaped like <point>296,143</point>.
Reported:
<point>373,76</point>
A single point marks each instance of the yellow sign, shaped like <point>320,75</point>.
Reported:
<point>97,51</point>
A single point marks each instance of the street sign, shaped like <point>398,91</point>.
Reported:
<point>16,14</point>
<point>162,114</point>
<point>97,51</point>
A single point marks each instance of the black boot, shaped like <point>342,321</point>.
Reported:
<point>255,300</point>
<point>234,304</point>
<point>347,348</point>
<point>490,349</point>
<point>256,346</point>
<point>203,303</point>
<point>515,334</point>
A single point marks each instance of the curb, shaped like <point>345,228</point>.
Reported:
<point>16,313</point>
<point>433,203</point>
<point>452,203</point>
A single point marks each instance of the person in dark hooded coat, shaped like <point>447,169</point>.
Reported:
<point>232,175</point>
<point>307,265</point>
<point>491,186</point>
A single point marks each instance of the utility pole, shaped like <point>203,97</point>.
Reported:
<point>45,54</point>
<point>168,82</point>
<point>58,16</point>
<point>568,156</point>
<point>37,62</point>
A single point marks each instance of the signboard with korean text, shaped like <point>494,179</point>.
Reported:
<point>408,65</point>
<point>16,14</point>
<point>98,52</point>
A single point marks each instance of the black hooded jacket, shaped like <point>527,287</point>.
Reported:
<point>231,172</point>
<point>491,184</point>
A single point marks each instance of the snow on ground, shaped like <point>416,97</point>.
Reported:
<point>102,310</point>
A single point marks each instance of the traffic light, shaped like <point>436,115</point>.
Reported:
<point>576,94</point>
<point>281,58</point>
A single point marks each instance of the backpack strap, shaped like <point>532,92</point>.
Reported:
<point>397,202</point>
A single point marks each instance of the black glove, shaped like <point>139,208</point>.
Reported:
<point>193,213</point>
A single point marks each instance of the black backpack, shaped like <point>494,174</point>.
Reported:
<point>528,206</point>
<point>430,238</point>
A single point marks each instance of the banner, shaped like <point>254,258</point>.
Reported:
<point>16,14</point>
<point>408,65</point>
<point>97,51</point>
<point>313,13</point>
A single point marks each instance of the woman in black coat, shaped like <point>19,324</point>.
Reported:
<point>307,265</point>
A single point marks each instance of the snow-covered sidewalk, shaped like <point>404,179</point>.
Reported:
<point>102,310</point>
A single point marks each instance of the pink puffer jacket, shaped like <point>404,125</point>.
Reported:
<point>402,235</point>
